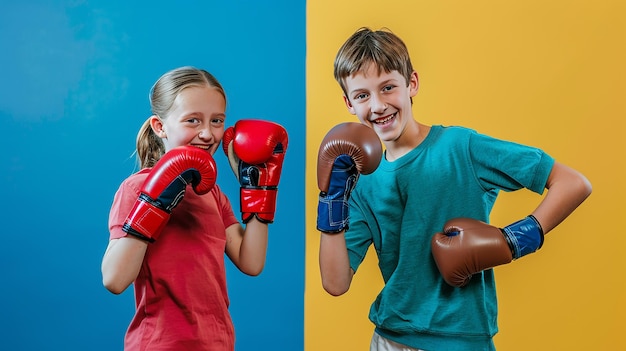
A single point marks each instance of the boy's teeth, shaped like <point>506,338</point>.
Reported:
<point>384,119</point>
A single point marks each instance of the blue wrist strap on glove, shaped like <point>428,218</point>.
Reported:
<point>524,236</point>
<point>332,209</point>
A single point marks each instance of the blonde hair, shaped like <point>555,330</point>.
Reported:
<point>381,48</point>
<point>150,147</point>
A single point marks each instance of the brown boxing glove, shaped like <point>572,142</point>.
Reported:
<point>466,247</point>
<point>347,151</point>
<point>353,139</point>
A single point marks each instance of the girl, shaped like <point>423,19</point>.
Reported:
<point>179,279</point>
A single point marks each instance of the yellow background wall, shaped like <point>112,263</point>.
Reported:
<point>546,73</point>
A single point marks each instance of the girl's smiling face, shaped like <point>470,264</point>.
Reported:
<point>196,118</point>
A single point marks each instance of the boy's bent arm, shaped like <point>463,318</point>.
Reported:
<point>467,246</point>
<point>567,189</point>
<point>335,264</point>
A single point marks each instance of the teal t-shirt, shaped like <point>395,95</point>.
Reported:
<point>454,172</point>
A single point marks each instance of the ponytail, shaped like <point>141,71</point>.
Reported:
<point>150,148</point>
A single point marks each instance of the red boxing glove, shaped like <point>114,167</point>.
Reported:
<point>256,149</point>
<point>165,187</point>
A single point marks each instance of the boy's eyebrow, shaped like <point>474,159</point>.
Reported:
<point>385,82</point>
<point>390,80</point>
<point>356,90</point>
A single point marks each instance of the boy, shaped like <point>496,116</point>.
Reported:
<point>431,179</point>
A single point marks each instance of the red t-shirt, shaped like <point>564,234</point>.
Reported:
<point>180,293</point>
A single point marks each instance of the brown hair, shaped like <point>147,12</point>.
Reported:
<point>150,147</point>
<point>381,48</point>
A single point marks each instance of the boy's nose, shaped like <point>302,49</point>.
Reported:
<point>377,104</point>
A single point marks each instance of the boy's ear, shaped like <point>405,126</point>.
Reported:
<point>414,84</point>
<point>157,126</point>
<point>349,105</point>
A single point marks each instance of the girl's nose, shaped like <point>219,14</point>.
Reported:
<point>205,134</point>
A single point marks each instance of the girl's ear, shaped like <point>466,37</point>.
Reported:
<point>349,105</point>
<point>157,126</point>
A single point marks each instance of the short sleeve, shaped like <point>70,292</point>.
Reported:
<point>226,209</point>
<point>123,203</point>
<point>501,164</point>
<point>358,236</point>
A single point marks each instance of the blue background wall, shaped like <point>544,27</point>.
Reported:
<point>74,92</point>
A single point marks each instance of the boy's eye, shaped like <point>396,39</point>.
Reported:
<point>360,96</point>
<point>387,87</point>
<point>217,121</point>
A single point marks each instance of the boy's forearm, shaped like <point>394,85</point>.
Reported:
<point>335,264</point>
<point>567,189</point>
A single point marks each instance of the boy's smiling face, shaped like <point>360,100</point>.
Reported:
<point>381,100</point>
